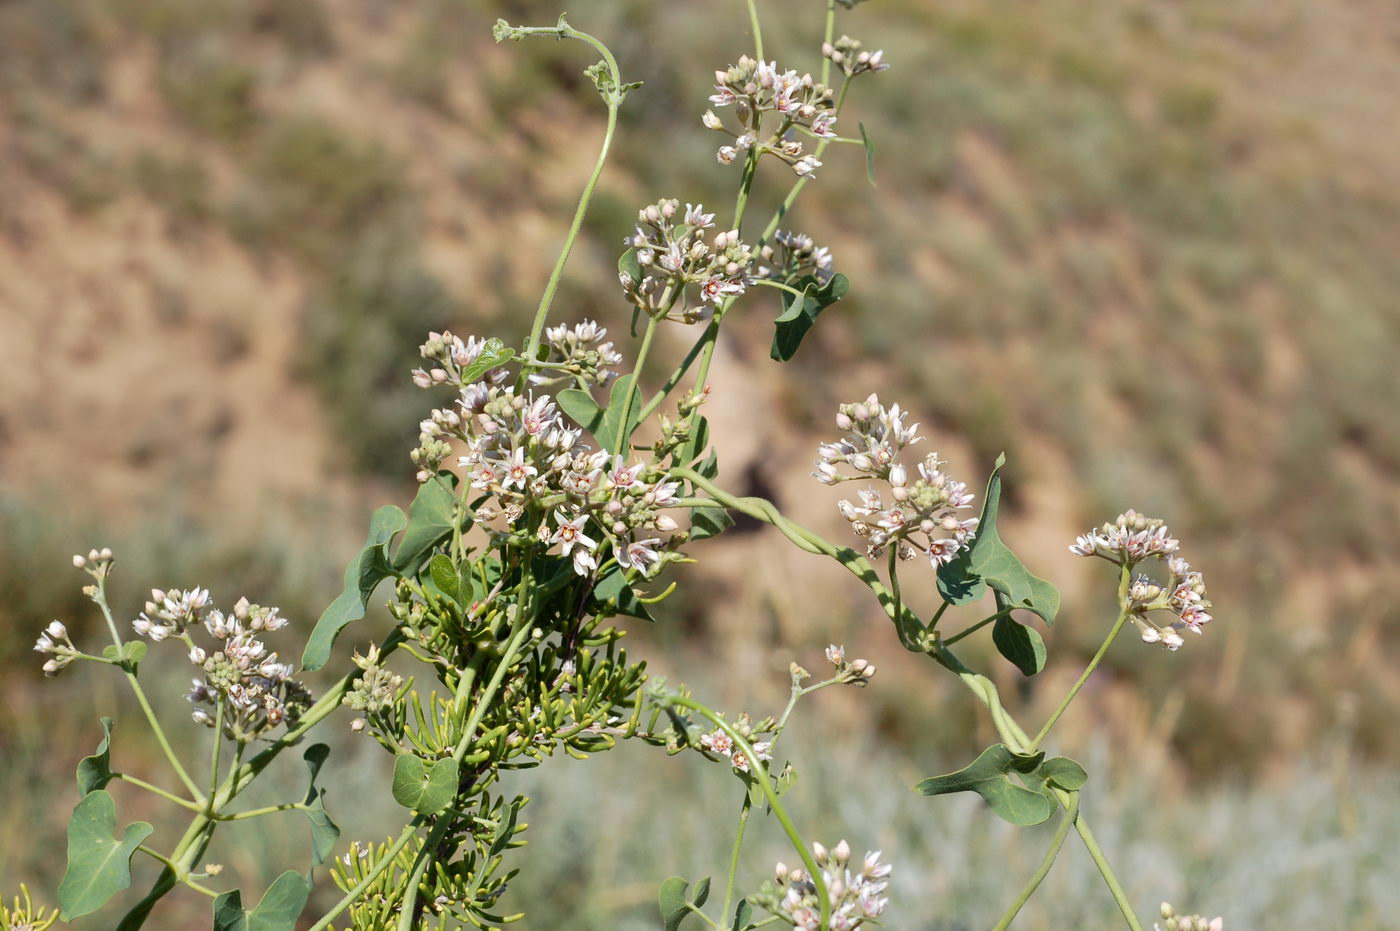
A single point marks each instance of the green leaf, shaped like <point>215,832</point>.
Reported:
<point>612,435</point>
<point>133,651</point>
<point>869,154</point>
<point>94,772</point>
<point>988,777</point>
<point>370,567</point>
<point>430,518</point>
<point>627,264</point>
<point>702,892</point>
<point>493,354</point>
<point>279,909</point>
<point>581,407</point>
<point>800,314</point>
<point>989,562</point>
<point>98,866</point>
<point>1017,642</point>
<point>743,915</point>
<point>426,790</point>
<point>228,912</point>
<point>613,589</point>
<point>324,831</point>
<point>445,577</point>
<point>1062,772</point>
<point>674,905</point>
<point>709,522</point>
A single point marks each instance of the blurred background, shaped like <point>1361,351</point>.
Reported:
<point>1147,249</point>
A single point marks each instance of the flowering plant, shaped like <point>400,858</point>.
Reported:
<point>554,494</point>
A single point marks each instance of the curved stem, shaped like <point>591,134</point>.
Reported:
<point>624,434</point>
<point>1043,870</point>
<point>614,101</point>
<point>760,773</point>
<point>1110,879</point>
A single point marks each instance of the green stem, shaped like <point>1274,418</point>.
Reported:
<point>407,916</point>
<point>157,790</point>
<point>1004,612</point>
<point>744,810</point>
<point>613,101</point>
<point>1043,870</point>
<point>259,812</point>
<point>1110,879</point>
<point>760,773</point>
<point>828,35</point>
<point>1123,614</point>
<point>214,753</point>
<point>757,32</point>
<point>379,867</point>
<point>624,434</point>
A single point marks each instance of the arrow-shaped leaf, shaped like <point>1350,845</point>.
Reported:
<point>430,518</point>
<point>989,562</point>
<point>369,567</point>
<point>800,313</point>
<point>674,904</point>
<point>988,776</point>
<point>98,865</point>
<point>324,831</point>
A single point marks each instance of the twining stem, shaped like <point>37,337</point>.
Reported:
<point>757,32</point>
<point>1126,577</point>
<point>760,773</point>
<point>100,598</point>
<point>613,101</point>
<point>1043,870</point>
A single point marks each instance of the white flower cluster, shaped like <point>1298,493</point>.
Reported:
<point>171,613</point>
<point>1175,922</point>
<point>858,672</point>
<point>856,897</point>
<point>1128,541</point>
<point>580,354</point>
<point>720,743</point>
<point>258,690</point>
<point>793,255</point>
<point>848,55</point>
<point>754,88</point>
<point>521,451</point>
<point>54,642</point>
<point>673,255</point>
<point>921,516</point>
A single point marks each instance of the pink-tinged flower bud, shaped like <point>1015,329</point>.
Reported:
<point>780,873</point>
<point>819,853</point>
<point>836,655</point>
<point>198,656</point>
<point>79,561</point>
<point>57,630</point>
<point>357,725</point>
<point>53,667</point>
<point>841,853</point>
<point>843,422</point>
<point>711,121</point>
<point>726,155</point>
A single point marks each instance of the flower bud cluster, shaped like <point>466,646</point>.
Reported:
<point>921,516</point>
<point>582,353</point>
<point>754,88</point>
<point>449,357</point>
<point>674,254</point>
<point>54,641</point>
<point>848,55</point>
<point>98,562</point>
<point>1175,922</point>
<point>256,690</point>
<point>721,744</point>
<point>858,672</point>
<point>856,895</point>
<point>377,689</point>
<point>1130,540</point>
<point>794,255</point>
<point>522,452</point>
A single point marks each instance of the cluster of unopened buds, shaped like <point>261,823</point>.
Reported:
<point>720,743</point>
<point>754,88</point>
<point>256,691</point>
<point>794,255</point>
<point>921,516</point>
<point>1133,539</point>
<point>54,642</point>
<point>857,672</point>
<point>373,691</point>
<point>523,453</point>
<point>1175,922</point>
<point>848,55</point>
<point>674,255</point>
<point>579,354</point>
<point>856,897</point>
<point>24,916</point>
